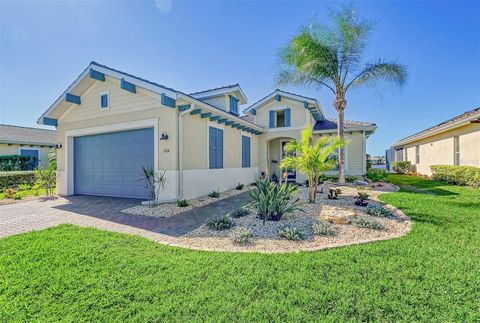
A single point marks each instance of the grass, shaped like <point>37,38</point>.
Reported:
<point>83,274</point>
<point>26,193</point>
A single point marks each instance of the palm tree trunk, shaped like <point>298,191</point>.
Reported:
<point>340,104</point>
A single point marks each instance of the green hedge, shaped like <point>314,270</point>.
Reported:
<point>458,175</point>
<point>402,167</point>
<point>13,179</point>
<point>377,174</point>
<point>17,163</point>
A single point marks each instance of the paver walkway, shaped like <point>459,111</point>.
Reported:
<point>105,213</point>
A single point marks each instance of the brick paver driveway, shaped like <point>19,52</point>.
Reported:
<point>105,213</point>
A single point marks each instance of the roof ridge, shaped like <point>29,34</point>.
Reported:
<point>279,90</point>
<point>216,88</point>
<point>24,127</point>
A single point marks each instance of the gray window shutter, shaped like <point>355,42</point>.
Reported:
<point>272,119</point>
<point>287,117</point>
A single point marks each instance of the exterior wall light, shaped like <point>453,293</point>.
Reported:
<point>164,136</point>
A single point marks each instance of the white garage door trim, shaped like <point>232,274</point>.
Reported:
<point>70,134</point>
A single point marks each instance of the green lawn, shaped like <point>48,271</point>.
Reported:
<point>26,193</point>
<point>432,274</point>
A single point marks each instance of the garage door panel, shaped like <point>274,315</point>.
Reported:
<point>111,164</point>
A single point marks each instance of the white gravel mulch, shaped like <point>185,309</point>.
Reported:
<point>166,210</point>
<point>265,237</point>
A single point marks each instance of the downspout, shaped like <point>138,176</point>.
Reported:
<point>180,153</point>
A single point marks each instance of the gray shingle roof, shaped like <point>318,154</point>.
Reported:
<point>216,88</point>
<point>23,135</point>
<point>331,124</point>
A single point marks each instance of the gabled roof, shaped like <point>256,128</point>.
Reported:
<point>310,103</point>
<point>459,120</point>
<point>331,124</point>
<point>77,89</point>
<point>29,136</point>
<point>222,90</point>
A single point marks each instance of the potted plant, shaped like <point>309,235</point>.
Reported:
<point>362,197</point>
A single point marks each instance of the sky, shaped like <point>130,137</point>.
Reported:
<point>196,45</point>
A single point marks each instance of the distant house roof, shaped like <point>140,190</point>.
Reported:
<point>29,136</point>
<point>222,90</point>
<point>327,125</point>
<point>459,120</point>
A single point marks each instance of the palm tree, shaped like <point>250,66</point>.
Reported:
<point>332,57</point>
<point>311,159</point>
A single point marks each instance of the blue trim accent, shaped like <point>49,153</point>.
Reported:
<point>278,97</point>
<point>287,117</point>
<point>196,111</point>
<point>245,151</point>
<point>214,118</point>
<point>222,120</point>
<point>233,105</point>
<point>127,86</point>
<point>72,98</point>
<point>167,101</point>
<point>271,117</point>
<point>215,147</point>
<point>50,121</point>
<point>104,101</point>
<point>96,75</point>
<point>229,123</point>
<point>183,107</point>
<point>254,112</point>
<point>206,115</point>
<point>305,104</point>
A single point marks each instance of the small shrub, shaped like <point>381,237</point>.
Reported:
<point>323,228</point>
<point>220,223</point>
<point>457,175</point>
<point>291,233</point>
<point>24,187</point>
<point>238,213</point>
<point>365,222</point>
<point>377,175</point>
<point>379,211</point>
<point>239,187</point>
<point>17,196</point>
<point>14,179</point>
<point>9,193</point>
<point>36,189</point>
<point>334,178</point>
<point>182,203</point>
<point>242,236</point>
<point>402,167</point>
<point>214,194</point>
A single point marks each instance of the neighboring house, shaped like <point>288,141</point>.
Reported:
<point>32,142</point>
<point>452,142</point>
<point>111,123</point>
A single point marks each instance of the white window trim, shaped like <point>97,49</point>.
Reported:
<point>106,92</point>
<point>221,127</point>
<point>71,134</point>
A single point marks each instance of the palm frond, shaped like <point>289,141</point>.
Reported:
<point>380,71</point>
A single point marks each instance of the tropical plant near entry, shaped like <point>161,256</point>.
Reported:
<point>271,200</point>
<point>153,182</point>
<point>47,180</point>
<point>311,159</point>
<point>332,57</point>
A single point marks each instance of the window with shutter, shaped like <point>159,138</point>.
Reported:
<point>215,147</point>
<point>245,151</point>
<point>271,121</point>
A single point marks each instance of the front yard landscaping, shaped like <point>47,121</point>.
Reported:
<point>70,273</point>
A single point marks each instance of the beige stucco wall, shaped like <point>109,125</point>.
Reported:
<point>299,116</point>
<point>196,144</point>
<point>12,149</point>
<point>439,149</point>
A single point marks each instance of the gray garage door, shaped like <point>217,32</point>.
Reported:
<point>110,164</point>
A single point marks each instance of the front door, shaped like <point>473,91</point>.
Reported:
<point>291,174</point>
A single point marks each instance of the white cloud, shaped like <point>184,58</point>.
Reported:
<point>164,6</point>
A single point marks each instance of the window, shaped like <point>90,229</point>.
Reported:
<point>215,145</point>
<point>279,118</point>
<point>456,150</point>
<point>417,154</point>
<point>104,100</point>
<point>233,105</point>
<point>245,151</point>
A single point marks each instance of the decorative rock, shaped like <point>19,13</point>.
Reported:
<point>337,216</point>
<point>361,183</point>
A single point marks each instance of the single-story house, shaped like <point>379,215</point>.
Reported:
<point>24,141</point>
<point>452,142</point>
<point>111,123</point>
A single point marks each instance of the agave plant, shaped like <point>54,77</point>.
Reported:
<point>271,200</point>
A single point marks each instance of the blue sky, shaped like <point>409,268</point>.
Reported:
<point>193,45</point>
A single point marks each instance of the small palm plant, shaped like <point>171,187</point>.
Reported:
<point>311,159</point>
<point>332,57</point>
<point>271,200</point>
<point>153,182</point>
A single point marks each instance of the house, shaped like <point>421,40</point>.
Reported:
<point>111,123</point>
<point>452,142</point>
<point>24,141</point>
